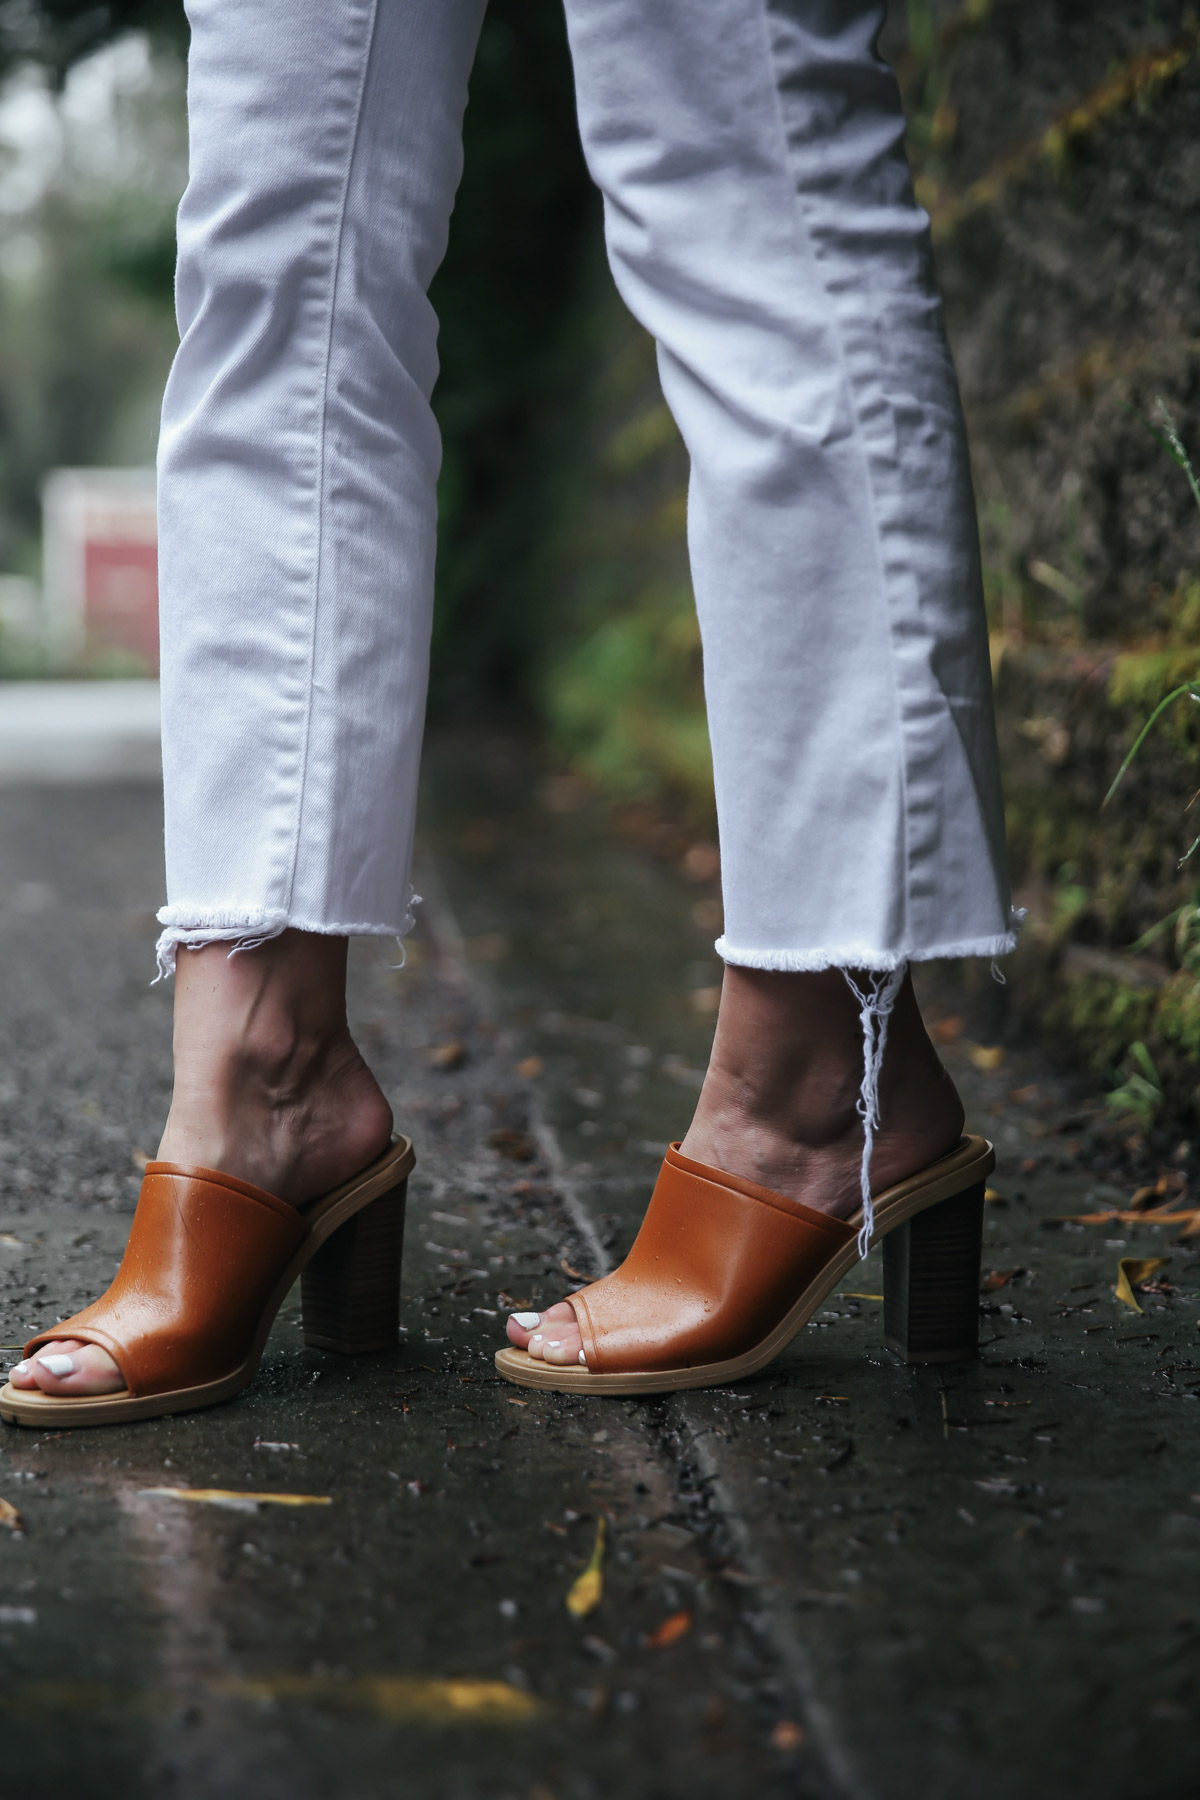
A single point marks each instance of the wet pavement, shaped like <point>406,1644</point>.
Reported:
<point>841,1578</point>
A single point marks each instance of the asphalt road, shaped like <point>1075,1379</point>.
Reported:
<point>843,1578</point>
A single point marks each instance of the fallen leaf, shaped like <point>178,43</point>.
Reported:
<point>530,1068</point>
<point>862,1296</point>
<point>397,1696</point>
<point>705,1001</point>
<point>1131,1272</point>
<point>518,1146</point>
<point>1025,1096</point>
<point>569,1269</point>
<point>448,1056</point>
<point>670,1631</point>
<point>587,1589</point>
<point>10,1242</point>
<point>234,1498</point>
<point>986,1056</point>
<point>946,1031</point>
<point>787,1735</point>
<point>1190,1220</point>
<point>998,1278</point>
<point>993,1196</point>
<point>141,1158</point>
<point>10,1518</point>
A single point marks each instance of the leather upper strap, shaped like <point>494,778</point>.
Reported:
<point>205,1252</point>
<point>717,1264</point>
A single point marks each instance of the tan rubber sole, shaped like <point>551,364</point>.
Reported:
<point>972,1161</point>
<point>24,1406</point>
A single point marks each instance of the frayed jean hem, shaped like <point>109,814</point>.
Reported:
<point>192,929</point>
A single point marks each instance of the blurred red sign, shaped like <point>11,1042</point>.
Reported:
<point>101,567</point>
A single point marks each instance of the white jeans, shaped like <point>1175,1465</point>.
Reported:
<point>761,224</point>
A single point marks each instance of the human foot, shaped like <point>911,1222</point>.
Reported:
<point>779,1107</point>
<point>269,1087</point>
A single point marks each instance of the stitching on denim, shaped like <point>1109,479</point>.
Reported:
<point>801,223</point>
<point>335,272</point>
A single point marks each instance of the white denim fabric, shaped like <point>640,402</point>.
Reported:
<point>761,225</point>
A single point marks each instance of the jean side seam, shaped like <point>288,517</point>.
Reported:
<point>848,383</point>
<point>335,271</point>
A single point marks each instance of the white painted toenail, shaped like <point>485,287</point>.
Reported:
<point>58,1365</point>
<point>583,1359</point>
<point>536,1338</point>
<point>527,1320</point>
<point>20,1368</point>
<point>554,1344</point>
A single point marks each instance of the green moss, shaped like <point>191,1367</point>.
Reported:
<point>1141,678</point>
<point>1101,1018</point>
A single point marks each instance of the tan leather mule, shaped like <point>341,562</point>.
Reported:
<point>724,1273</point>
<point>207,1265</point>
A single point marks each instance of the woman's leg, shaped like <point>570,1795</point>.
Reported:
<point>298,466</point>
<point>761,224</point>
<point>269,1087</point>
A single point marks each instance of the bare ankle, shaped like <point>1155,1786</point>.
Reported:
<point>780,1102</point>
<point>269,1085</point>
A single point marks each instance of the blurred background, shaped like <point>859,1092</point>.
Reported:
<point>1055,148</point>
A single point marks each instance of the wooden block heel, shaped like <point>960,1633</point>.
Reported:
<point>931,1281</point>
<point>350,1291</point>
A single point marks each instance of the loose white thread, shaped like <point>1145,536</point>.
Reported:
<point>875,1009</point>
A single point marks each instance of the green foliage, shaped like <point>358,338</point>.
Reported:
<point>86,333</point>
<point>59,33</point>
<point>1140,1095</point>
<point>525,217</point>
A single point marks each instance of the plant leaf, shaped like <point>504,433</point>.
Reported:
<point>234,1498</point>
<point>397,1697</point>
<point>586,1590</point>
<point>1131,1272</point>
<point>1187,687</point>
<point>10,1518</point>
<point>670,1631</point>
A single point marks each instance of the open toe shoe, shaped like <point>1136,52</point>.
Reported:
<point>207,1265</point>
<point>724,1273</point>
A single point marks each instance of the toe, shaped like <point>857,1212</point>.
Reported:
<point>72,1367</point>
<point>521,1326</point>
<point>562,1343</point>
<point>524,1327</point>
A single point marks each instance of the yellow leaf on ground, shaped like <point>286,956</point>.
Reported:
<point>10,1518</point>
<point>847,1295</point>
<point>986,1056</point>
<point>234,1497</point>
<point>403,1697</point>
<point>586,1590</point>
<point>1131,1272</point>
